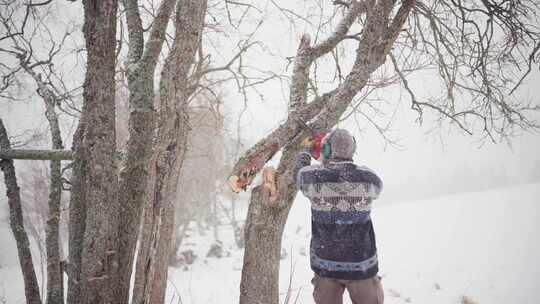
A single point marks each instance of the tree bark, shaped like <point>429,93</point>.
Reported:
<point>263,231</point>
<point>77,218</point>
<point>55,278</point>
<point>97,169</point>
<point>31,287</point>
<point>161,250</point>
<point>143,254</point>
<point>169,149</point>
<point>55,282</point>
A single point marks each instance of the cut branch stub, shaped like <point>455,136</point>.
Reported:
<point>247,168</point>
<point>269,185</point>
<point>255,158</point>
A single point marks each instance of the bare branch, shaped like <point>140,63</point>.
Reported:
<point>327,45</point>
<point>157,34</point>
<point>479,50</point>
<point>36,154</point>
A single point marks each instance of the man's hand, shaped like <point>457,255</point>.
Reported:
<point>314,144</point>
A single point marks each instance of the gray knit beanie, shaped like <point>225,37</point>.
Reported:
<point>342,144</point>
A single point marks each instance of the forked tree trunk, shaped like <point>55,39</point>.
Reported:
<point>267,217</point>
<point>16,222</point>
<point>134,175</point>
<point>169,152</point>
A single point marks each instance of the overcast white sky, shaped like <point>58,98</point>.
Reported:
<point>427,163</point>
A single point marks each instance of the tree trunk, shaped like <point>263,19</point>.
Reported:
<point>263,232</point>
<point>165,171</point>
<point>134,178</point>
<point>155,249</point>
<point>31,287</point>
<point>143,254</point>
<point>161,250</point>
<point>77,218</point>
<point>98,175</point>
<point>169,148</point>
<point>55,283</point>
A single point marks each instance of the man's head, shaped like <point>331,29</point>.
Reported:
<point>341,145</point>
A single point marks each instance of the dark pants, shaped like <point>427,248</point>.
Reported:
<point>330,291</point>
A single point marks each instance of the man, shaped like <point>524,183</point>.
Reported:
<point>343,251</point>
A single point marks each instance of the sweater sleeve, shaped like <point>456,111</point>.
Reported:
<point>375,182</point>
<point>303,159</point>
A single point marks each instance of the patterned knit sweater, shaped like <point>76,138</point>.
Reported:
<point>343,240</point>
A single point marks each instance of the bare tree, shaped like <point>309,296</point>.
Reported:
<point>382,22</point>
<point>140,67</point>
<point>52,90</point>
<point>142,61</point>
<point>194,74</point>
<point>31,287</point>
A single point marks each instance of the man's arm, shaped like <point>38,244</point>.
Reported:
<point>313,146</point>
<point>373,180</point>
<point>303,159</point>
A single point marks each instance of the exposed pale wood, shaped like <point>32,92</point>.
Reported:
<point>269,183</point>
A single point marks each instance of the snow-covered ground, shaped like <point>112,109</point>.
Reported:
<point>483,245</point>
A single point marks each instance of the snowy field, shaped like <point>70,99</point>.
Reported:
<point>483,245</point>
